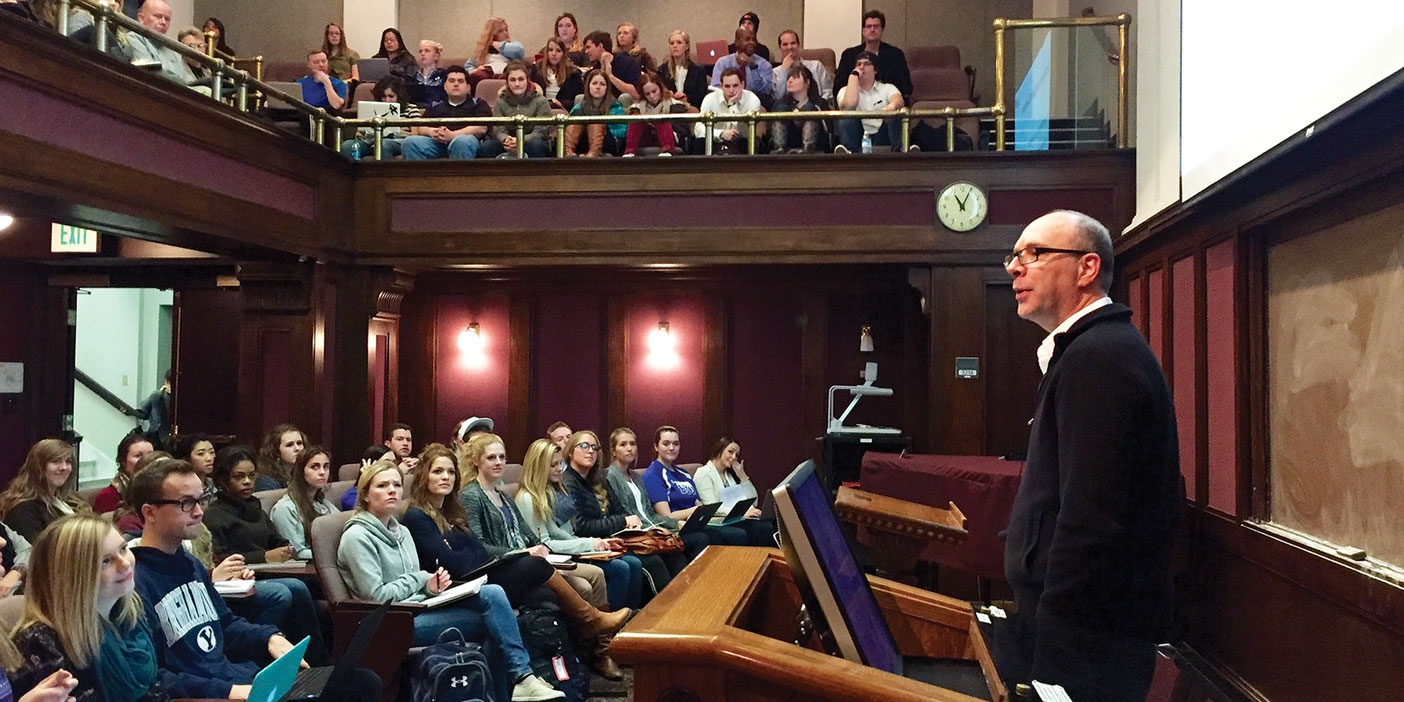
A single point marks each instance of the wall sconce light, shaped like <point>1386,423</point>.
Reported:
<point>6,219</point>
<point>865,340</point>
<point>662,351</point>
<point>470,340</point>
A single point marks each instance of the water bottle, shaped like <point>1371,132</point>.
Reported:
<point>356,149</point>
<point>867,143</point>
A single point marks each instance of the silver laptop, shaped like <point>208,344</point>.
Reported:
<point>370,109</point>
<point>373,69</point>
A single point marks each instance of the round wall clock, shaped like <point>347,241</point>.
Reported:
<point>962,206</point>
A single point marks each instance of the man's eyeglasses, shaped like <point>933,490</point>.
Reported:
<point>588,446</point>
<point>1030,254</point>
<point>187,504</point>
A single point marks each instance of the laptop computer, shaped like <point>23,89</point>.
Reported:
<point>711,51</point>
<point>738,511</point>
<point>700,517</point>
<point>373,69</point>
<point>277,677</point>
<point>321,683</point>
<point>370,109</point>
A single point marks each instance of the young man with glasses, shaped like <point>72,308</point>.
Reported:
<point>891,63</point>
<point>1088,548</point>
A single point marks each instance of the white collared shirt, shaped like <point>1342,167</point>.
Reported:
<point>1045,349</point>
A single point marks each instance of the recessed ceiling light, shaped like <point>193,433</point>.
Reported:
<point>5,221</point>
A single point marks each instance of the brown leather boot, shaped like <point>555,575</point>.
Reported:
<point>602,663</point>
<point>596,134</point>
<point>589,622</point>
<point>572,137</point>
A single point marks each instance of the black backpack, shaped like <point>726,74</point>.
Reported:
<point>553,657</point>
<point>451,670</point>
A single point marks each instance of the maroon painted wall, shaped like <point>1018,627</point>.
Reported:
<point>569,349</point>
<point>468,383</point>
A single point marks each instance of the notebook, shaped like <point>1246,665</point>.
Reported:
<point>370,109</point>
<point>457,592</point>
<point>277,677</point>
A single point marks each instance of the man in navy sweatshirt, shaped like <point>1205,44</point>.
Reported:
<point>1090,533</point>
<point>203,649</point>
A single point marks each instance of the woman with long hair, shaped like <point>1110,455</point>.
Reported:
<point>387,89</point>
<point>557,74</point>
<point>198,451</point>
<point>519,97</point>
<point>656,100</point>
<point>305,500</point>
<point>43,490</point>
<point>276,456</point>
<point>221,42</point>
<point>392,47</point>
<point>801,95</point>
<point>439,525</point>
<point>81,615</point>
<point>672,492</point>
<point>626,39</point>
<point>341,59</point>
<point>129,450</point>
<point>723,469</point>
<point>568,31</point>
<point>598,139</point>
<point>495,49</point>
<point>628,490</point>
<point>377,559</point>
<point>550,510</point>
<point>686,79</point>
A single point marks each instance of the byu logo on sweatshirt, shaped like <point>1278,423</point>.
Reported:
<point>185,608</point>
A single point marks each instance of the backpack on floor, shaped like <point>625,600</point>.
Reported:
<point>553,657</point>
<point>451,670</point>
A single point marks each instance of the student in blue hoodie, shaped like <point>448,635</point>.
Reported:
<point>203,649</point>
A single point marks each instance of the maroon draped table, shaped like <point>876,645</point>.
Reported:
<point>983,487</point>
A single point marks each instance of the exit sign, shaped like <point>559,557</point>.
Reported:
<point>70,239</point>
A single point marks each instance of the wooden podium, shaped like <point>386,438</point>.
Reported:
<point>723,630</point>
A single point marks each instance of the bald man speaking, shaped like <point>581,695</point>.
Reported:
<point>1087,552</point>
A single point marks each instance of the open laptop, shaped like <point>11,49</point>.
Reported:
<point>373,69</point>
<point>700,517</point>
<point>370,109</point>
<point>321,683</point>
<point>277,677</point>
<point>738,511</point>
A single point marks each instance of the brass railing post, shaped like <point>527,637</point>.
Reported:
<point>521,133</point>
<point>379,137</point>
<point>101,21</point>
<point>560,136</point>
<point>751,133</point>
<point>906,113</point>
<point>217,85</point>
<point>710,119</point>
<point>210,43</point>
<point>1122,109</point>
<point>242,95</point>
<point>63,10</point>
<point>999,26</point>
<point>950,129</point>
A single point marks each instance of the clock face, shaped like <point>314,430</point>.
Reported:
<point>962,206</point>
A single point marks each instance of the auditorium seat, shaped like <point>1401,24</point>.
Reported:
<point>823,56</point>
<point>11,609</point>
<point>512,478</point>
<point>487,90</point>
<point>283,71</point>
<point>363,91</point>
<point>944,56</point>
<point>349,471</point>
<point>969,125</point>
<point>90,494</point>
<point>268,497</point>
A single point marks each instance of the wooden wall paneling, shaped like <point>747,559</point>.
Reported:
<point>1253,373</point>
<point>1135,299</point>
<point>716,383</point>
<point>37,333</point>
<point>1183,368</point>
<point>520,382</point>
<point>207,369</point>
<point>418,371</point>
<point>814,359</point>
<point>1010,369</point>
<point>916,361</point>
<point>617,369</point>
<point>956,422</point>
<point>1155,303</point>
<point>1222,368</point>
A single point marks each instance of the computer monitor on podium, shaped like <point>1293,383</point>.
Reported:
<point>835,589</point>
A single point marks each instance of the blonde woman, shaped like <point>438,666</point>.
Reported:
<point>686,79</point>
<point>43,490</point>
<point>626,39</point>
<point>82,616</point>
<point>495,49</point>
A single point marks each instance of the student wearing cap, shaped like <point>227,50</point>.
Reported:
<point>465,430</point>
<point>751,21</point>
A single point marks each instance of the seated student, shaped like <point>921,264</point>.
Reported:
<point>276,456</point>
<point>494,517</point>
<point>550,511</point>
<point>192,38</point>
<point>378,561</point>
<point>621,71</point>
<point>373,453</point>
<point>687,81</point>
<point>56,687</point>
<point>865,92</point>
<point>454,142</point>
<point>130,450</point>
<point>399,438</point>
<point>559,433</point>
<point>439,524</point>
<point>557,75</point>
<point>156,16</point>
<point>724,468</point>
<point>568,31</point>
<point>756,73</point>
<point>304,501</point>
<point>43,490</point>
<point>319,88</point>
<point>212,24</point>
<point>495,48</point>
<point>799,136</point>
<point>82,616</point>
<point>626,41</point>
<point>519,97</point>
<point>790,49</point>
<point>598,139</point>
<point>466,429</point>
<point>427,74</point>
<point>341,59</point>
<point>732,99</point>
<point>238,525</point>
<point>392,48</point>
<point>629,493</point>
<point>198,450</point>
<point>890,62</point>
<point>14,557</point>
<point>387,89</point>
<point>751,21</point>
<point>672,491</point>
<point>657,100</point>
<point>194,633</point>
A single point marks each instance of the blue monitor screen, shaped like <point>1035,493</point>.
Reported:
<point>847,582</point>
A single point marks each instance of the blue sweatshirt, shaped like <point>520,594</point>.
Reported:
<point>194,632</point>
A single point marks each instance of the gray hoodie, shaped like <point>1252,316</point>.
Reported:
<point>380,563</point>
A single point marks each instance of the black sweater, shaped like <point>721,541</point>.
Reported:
<point>241,527</point>
<point>590,518</point>
<point>457,551</point>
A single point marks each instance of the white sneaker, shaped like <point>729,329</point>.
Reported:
<point>841,149</point>
<point>665,154</point>
<point>533,689</point>
<point>628,155</point>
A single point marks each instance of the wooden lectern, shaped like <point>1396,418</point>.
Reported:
<point>899,530</point>
<point>724,630</point>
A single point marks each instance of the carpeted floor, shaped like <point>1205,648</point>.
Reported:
<point>601,689</point>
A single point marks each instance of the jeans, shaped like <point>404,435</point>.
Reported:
<point>624,581</point>
<point>287,604</point>
<point>533,146</point>
<point>420,147</point>
<point>364,148</point>
<point>850,134</point>
<point>487,613</point>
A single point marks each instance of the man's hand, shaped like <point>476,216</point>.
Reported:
<point>277,646</point>
<point>606,60</point>
<point>730,134</point>
<point>321,77</point>
<point>509,143</point>
<point>279,555</point>
<point>231,568</point>
<point>408,463</point>
<point>443,135</point>
<point>786,62</point>
<point>743,60</point>
<point>753,513</point>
